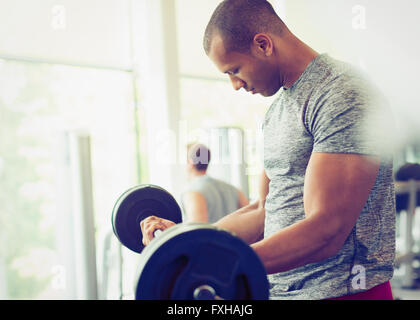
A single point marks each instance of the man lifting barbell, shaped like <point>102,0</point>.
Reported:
<point>188,260</point>
<point>330,202</point>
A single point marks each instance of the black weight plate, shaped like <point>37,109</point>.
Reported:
<point>136,204</point>
<point>189,255</point>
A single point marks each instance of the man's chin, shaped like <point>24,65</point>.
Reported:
<point>269,93</point>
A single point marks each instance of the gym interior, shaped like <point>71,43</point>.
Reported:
<point>100,96</point>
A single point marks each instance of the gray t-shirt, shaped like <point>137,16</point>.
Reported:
<point>221,197</point>
<point>331,108</point>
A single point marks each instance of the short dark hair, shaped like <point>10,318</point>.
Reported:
<point>199,155</point>
<point>238,21</point>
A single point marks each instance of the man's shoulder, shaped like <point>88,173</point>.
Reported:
<point>340,76</point>
<point>222,183</point>
<point>330,72</point>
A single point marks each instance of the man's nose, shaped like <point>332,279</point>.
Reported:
<point>236,82</point>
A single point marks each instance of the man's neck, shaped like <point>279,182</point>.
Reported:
<point>195,174</point>
<point>302,56</point>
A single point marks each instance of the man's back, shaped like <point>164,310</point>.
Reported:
<point>221,198</point>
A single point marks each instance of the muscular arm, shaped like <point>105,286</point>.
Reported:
<point>337,187</point>
<point>242,199</point>
<point>248,222</point>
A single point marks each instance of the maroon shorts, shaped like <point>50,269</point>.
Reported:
<point>381,292</point>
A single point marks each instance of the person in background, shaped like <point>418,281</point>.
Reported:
<point>207,199</point>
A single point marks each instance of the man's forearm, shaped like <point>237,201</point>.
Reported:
<point>247,222</point>
<point>297,245</point>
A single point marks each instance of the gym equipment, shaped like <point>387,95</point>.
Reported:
<point>187,261</point>
<point>200,261</point>
<point>407,199</point>
<point>409,171</point>
<point>135,205</point>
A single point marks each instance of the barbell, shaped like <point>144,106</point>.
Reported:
<point>189,260</point>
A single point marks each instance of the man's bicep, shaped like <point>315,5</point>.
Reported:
<point>337,187</point>
<point>242,199</point>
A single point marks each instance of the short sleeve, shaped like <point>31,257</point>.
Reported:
<point>349,118</point>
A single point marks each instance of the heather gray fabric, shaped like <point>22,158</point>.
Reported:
<point>221,197</point>
<point>331,108</point>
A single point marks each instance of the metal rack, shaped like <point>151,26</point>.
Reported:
<point>407,257</point>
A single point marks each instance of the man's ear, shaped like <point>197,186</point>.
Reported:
<point>263,44</point>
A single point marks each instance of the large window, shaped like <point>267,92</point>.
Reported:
<point>38,104</point>
<point>213,103</point>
